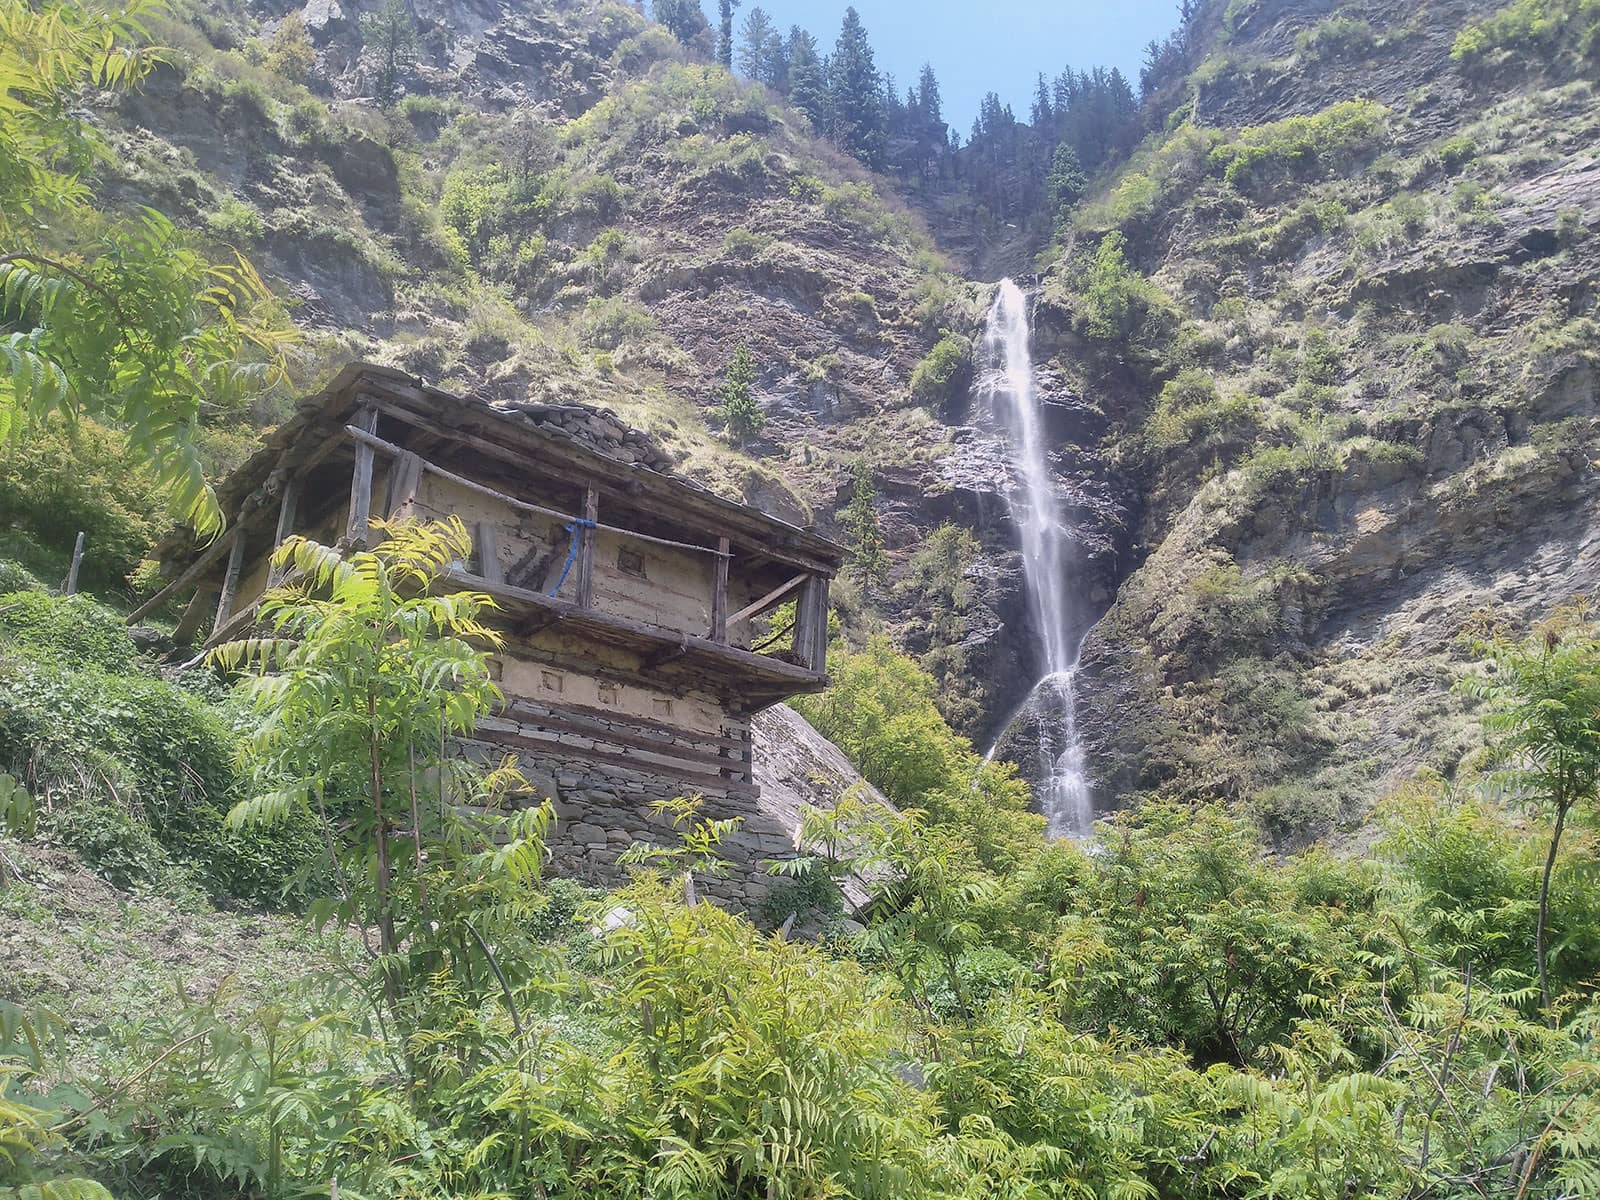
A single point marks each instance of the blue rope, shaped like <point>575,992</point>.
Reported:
<point>576,528</point>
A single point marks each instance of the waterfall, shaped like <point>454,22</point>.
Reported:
<point>1048,717</point>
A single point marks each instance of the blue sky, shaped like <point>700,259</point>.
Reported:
<point>977,46</point>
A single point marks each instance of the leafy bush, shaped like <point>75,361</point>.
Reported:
<point>1338,37</point>
<point>1536,29</point>
<point>70,629</point>
<point>235,221</point>
<point>1191,412</point>
<point>1117,297</point>
<point>743,244</point>
<point>56,483</point>
<point>1301,146</point>
<point>608,324</point>
<point>943,373</point>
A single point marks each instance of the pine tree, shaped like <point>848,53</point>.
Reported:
<point>740,412</point>
<point>869,562</point>
<point>1041,115</point>
<point>391,34</point>
<point>929,104</point>
<point>855,93</point>
<point>683,19</point>
<point>725,32</point>
<point>1066,183</point>
<point>762,53</point>
<point>807,83</point>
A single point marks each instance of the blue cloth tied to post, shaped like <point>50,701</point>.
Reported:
<point>575,527</point>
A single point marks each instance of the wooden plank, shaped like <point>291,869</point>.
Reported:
<point>719,592</point>
<point>556,727</point>
<point>71,586</point>
<point>588,716</point>
<point>696,779</point>
<point>359,532</point>
<point>189,574</point>
<point>230,585</point>
<point>767,601</point>
<point>404,479</point>
<point>377,443</point>
<point>586,538</point>
<point>819,659</point>
<point>193,615</point>
<point>287,505</point>
<point>684,504</point>
<point>486,548</point>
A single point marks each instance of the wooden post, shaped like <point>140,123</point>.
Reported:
<point>719,593</point>
<point>404,479</point>
<point>230,585</point>
<point>811,624</point>
<point>286,506</point>
<point>71,588</point>
<point>819,658</point>
<point>190,573</point>
<point>487,544</point>
<point>591,514</point>
<point>193,614</point>
<point>360,530</point>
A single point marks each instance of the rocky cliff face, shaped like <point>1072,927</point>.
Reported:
<point>1363,414</point>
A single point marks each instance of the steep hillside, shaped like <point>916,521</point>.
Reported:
<point>1342,313</point>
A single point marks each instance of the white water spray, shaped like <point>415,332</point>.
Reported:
<point>1006,387</point>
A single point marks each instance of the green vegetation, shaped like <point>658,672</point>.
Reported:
<point>741,414</point>
<point>869,559</point>
<point>1298,147</point>
<point>1338,37</point>
<point>1536,30</point>
<point>115,319</point>
<point>943,373</point>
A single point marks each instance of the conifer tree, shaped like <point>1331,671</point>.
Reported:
<point>869,563</point>
<point>391,34</point>
<point>740,412</point>
<point>725,32</point>
<point>929,105</point>
<point>761,56</point>
<point>807,83</point>
<point>855,93</point>
<point>683,19</point>
<point>1067,181</point>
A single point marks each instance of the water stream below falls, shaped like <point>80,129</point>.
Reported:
<point>1048,717</point>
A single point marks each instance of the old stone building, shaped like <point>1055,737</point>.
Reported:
<point>628,596</point>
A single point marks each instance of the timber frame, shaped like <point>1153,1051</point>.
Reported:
<point>316,475</point>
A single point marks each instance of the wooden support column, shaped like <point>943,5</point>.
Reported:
<point>71,586</point>
<point>591,514</point>
<point>230,585</point>
<point>287,503</point>
<point>811,624</point>
<point>404,479</point>
<point>359,532</point>
<point>719,593</point>
<point>486,547</point>
<point>193,615</point>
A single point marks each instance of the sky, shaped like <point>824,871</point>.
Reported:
<point>979,46</point>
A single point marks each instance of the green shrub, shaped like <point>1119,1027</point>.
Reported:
<point>1537,30</point>
<point>72,630</point>
<point>1302,146</point>
<point>943,373</point>
<point>1456,152</point>
<point>607,324</point>
<point>1192,412</point>
<point>743,244</point>
<point>599,197</point>
<point>235,221</point>
<point>56,483</point>
<point>1338,37</point>
<point>1117,297</point>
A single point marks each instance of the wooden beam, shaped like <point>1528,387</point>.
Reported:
<point>193,615</point>
<point>486,546</point>
<point>710,781</point>
<point>71,586</point>
<point>719,593</point>
<point>230,585</point>
<point>702,511</point>
<point>586,535</point>
<point>404,479</point>
<point>665,655</point>
<point>189,574</point>
<point>287,503</point>
<point>360,527</point>
<point>767,601</point>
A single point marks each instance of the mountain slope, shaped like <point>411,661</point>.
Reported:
<point>1353,355</point>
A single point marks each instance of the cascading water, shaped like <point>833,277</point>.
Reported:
<point>1049,713</point>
